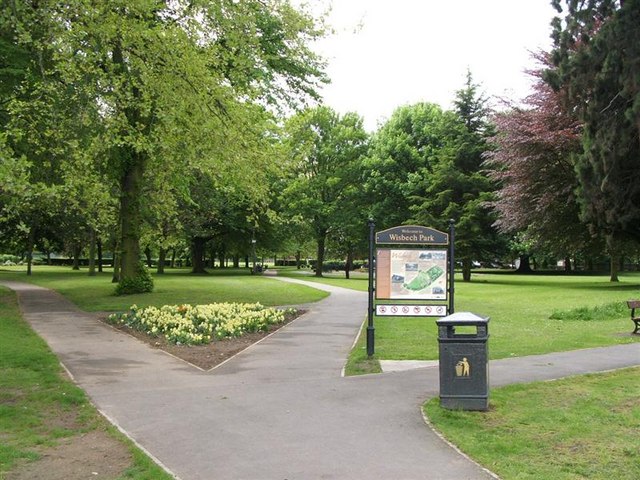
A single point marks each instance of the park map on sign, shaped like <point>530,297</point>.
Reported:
<point>418,274</point>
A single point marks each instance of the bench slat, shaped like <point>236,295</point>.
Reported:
<point>633,303</point>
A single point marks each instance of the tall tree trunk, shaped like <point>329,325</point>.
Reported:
<point>147,254</point>
<point>92,252</point>
<point>77,249</point>
<point>613,274</point>
<point>162,255</point>
<point>614,256</point>
<point>99,247</point>
<point>320,253</point>
<point>222,255</point>
<point>198,246</point>
<point>348,263</point>
<point>173,258</point>
<point>116,263</point>
<point>246,262</point>
<point>567,264</point>
<point>132,163</point>
<point>466,269</point>
<point>31,240</point>
<point>298,260</point>
<point>236,261</point>
<point>212,256</point>
<point>130,216</point>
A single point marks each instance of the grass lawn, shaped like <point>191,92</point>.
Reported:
<point>174,287</point>
<point>39,407</point>
<point>591,312</point>
<point>576,428</point>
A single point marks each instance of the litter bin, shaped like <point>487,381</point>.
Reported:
<point>464,368</point>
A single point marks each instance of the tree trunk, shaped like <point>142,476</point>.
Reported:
<point>525,264</point>
<point>147,254</point>
<point>320,254</point>
<point>466,269</point>
<point>116,263</point>
<point>567,264</point>
<point>130,216</point>
<point>162,255</point>
<point>246,262</point>
<point>31,240</point>
<point>212,256</point>
<point>614,257</point>
<point>198,246</point>
<point>92,253</point>
<point>298,262</point>
<point>615,264</point>
<point>99,247</point>
<point>76,256</point>
<point>348,263</point>
<point>222,255</point>
<point>173,258</point>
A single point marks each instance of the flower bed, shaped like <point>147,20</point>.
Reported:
<point>199,324</point>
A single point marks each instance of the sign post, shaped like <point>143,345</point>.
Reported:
<point>370,328</point>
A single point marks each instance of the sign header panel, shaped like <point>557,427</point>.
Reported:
<point>412,235</point>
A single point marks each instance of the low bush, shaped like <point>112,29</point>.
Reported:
<point>141,283</point>
<point>609,311</point>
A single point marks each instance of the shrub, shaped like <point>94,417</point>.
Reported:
<point>141,283</point>
<point>608,311</point>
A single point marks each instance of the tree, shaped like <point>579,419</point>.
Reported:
<point>456,185</point>
<point>533,162</point>
<point>597,47</point>
<point>325,151</point>
<point>157,72</point>
<point>404,150</point>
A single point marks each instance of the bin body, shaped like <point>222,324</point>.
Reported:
<point>464,366</point>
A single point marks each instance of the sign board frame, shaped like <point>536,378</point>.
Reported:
<point>414,270</point>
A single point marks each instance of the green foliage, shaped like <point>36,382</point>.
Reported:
<point>456,186</point>
<point>141,283</point>
<point>325,151</point>
<point>120,95</point>
<point>404,153</point>
<point>597,46</point>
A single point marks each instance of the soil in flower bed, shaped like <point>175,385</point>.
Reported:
<point>206,356</point>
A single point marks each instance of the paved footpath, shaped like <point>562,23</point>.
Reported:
<point>280,409</point>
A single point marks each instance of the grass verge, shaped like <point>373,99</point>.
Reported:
<point>38,406</point>
<point>530,315</point>
<point>175,287</point>
<point>576,428</point>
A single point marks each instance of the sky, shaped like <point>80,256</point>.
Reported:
<point>389,53</point>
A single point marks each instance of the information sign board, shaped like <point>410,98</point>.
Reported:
<point>414,274</point>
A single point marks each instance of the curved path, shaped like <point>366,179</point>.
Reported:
<point>280,409</point>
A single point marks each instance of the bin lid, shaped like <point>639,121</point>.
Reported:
<point>462,318</point>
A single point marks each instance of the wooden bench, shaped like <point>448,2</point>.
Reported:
<point>633,304</point>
